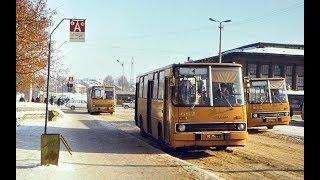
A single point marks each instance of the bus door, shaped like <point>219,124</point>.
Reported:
<point>165,124</point>
<point>136,104</point>
<point>149,98</point>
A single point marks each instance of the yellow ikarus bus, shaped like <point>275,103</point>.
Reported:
<point>101,99</point>
<point>193,104</point>
<point>267,102</point>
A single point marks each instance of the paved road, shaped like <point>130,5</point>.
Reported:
<point>268,154</point>
<point>100,151</point>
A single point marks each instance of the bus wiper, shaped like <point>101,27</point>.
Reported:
<point>192,106</point>
<point>264,100</point>
<point>278,99</point>
<point>226,100</point>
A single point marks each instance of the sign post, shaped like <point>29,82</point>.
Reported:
<point>50,142</point>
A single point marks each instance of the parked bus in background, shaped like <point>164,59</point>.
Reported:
<point>267,102</point>
<point>187,105</point>
<point>101,99</point>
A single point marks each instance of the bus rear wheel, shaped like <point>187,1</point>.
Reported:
<point>111,113</point>
<point>270,126</point>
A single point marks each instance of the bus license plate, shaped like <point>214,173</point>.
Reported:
<point>271,120</point>
<point>211,137</point>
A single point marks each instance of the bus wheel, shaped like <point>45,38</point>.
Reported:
<point>221,148</point>
<point>111,113</point>
<point>73,107</point>
<point>142,133</point>
<point>270,126</point>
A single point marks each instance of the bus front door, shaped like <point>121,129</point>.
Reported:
<point>149,98</point>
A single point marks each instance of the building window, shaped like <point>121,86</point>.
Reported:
<point>276,71</point>
<point>252,69</point>
<point>300,78</point>
<point>289,82</point>
<point>288,71</point>
<point>264,71</point>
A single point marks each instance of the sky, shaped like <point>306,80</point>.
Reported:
<point>157,33</point>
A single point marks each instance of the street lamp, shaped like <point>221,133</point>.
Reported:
<point>122,64</point>
<point>220,27</point>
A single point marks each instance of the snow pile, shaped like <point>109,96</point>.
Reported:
<point>25,108</point>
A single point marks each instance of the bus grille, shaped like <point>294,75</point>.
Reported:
<point>277,114</point>
<point>209,127</point>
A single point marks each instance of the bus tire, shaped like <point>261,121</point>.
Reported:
<point>221,148</point>
<point>72,107</point>
<point>142,132</point>
<point>111,113</point>
<point>270,126</point>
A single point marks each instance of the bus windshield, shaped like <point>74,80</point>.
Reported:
<point>109,93</point>
<point>97,93</point>
<point>193,86</point>
<point>227,86</point>
<point>267,91</point>
<point>277,90</point>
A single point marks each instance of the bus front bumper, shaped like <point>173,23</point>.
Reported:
<point>209,139</point>
<point>256,122</point>
<point>103,109</point>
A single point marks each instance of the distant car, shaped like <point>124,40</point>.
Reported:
<point>127,105</point>
<point>73,104</point>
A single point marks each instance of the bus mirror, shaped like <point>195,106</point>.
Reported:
<point>171,81</point>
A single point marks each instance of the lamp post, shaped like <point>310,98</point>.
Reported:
<point>220,27</point>
<point>122,64</point>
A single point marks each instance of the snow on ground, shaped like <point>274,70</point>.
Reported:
<point>288,130</point>
<point>23,108</point>
<point>28,151</point>
<point>296,127</point>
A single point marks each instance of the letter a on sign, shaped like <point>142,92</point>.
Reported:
<point>77,30</point>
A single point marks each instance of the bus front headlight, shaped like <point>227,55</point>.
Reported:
<point>286,113</point>
<point>254,115</point>
<point>240,127</point>
<point>181,127</point>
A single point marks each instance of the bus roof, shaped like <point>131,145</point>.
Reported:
<point>193,64</point>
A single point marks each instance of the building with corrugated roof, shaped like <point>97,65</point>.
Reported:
<point>270,60</point>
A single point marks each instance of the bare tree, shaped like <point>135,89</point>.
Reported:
<point>125,82</point>
<point>108,80</point>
